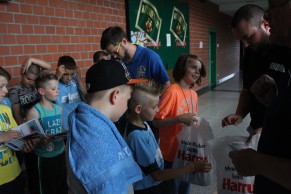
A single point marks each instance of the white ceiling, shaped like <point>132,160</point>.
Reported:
<point>230,6</point>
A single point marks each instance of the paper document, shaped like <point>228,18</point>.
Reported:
<point>29,130</point>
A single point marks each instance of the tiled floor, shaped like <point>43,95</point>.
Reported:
<point>214,106</point>
<point>222,101</point>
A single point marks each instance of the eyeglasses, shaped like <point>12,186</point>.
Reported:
<point>118,47</point>
<point>115,54</point>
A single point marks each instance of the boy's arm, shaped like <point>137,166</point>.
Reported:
<point>187,119</point>
<point>30,144</point>
<point>31,114</point>
<point>16,106</point>
<point>9,135</point>
<point>39,62</point>
<point>17,113</point>
<point>80,82</point>
<point>167,174</point>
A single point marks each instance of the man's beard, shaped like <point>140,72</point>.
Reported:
<point>262,45</point>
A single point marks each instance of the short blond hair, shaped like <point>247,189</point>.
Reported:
<point>140,90</point>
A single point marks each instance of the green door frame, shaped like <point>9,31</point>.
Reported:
<point>212,58</point>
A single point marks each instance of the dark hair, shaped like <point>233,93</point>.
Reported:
<point>181,66</point>
<point>68,62</point>
<point>33,69</point>
<point>44,77</point>
<point>250,13</point>
<point>112,35</point>
<point>98,54</point>
<point>5,73</point>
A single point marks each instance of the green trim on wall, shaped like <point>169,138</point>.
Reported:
<point>212,57</point>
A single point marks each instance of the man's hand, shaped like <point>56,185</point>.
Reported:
<point>264,89</point>
<point>232,119</point>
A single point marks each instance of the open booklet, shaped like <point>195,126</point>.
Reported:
<point>59,136</point>
<point>30,130</point>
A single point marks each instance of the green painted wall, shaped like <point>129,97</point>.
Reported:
<point>161,25</point>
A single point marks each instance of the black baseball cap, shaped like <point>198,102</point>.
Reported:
<point>107,74</point>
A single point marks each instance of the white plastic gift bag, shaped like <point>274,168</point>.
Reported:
<point>228,180</point>
<point>192,147</point>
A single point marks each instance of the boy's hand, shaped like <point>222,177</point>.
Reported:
<point>81,85</point>
<point>200,166</point>
<point>29,145</point>
<point>60,71</point>
<point>9,135</point>
<point>188,119</point>
<point>25,65</point>
<point>78,73</point>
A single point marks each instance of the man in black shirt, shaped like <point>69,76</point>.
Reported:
<point>249,26</point>
<point>271,164</point>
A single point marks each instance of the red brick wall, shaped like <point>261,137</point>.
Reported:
<point>47,29</point>
<point>202,17</point>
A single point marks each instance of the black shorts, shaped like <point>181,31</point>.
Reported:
<point>13,187</point>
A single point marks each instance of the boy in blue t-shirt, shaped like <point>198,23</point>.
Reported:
<point>71,88</point>
<point>142,107</point>
<point>50,169</point>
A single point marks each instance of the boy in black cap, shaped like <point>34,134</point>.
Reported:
<point>98,159</point>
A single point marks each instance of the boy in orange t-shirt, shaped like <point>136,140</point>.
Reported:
<point>178,107</point>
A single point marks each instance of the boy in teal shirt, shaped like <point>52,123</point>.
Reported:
<point>51,171</point>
